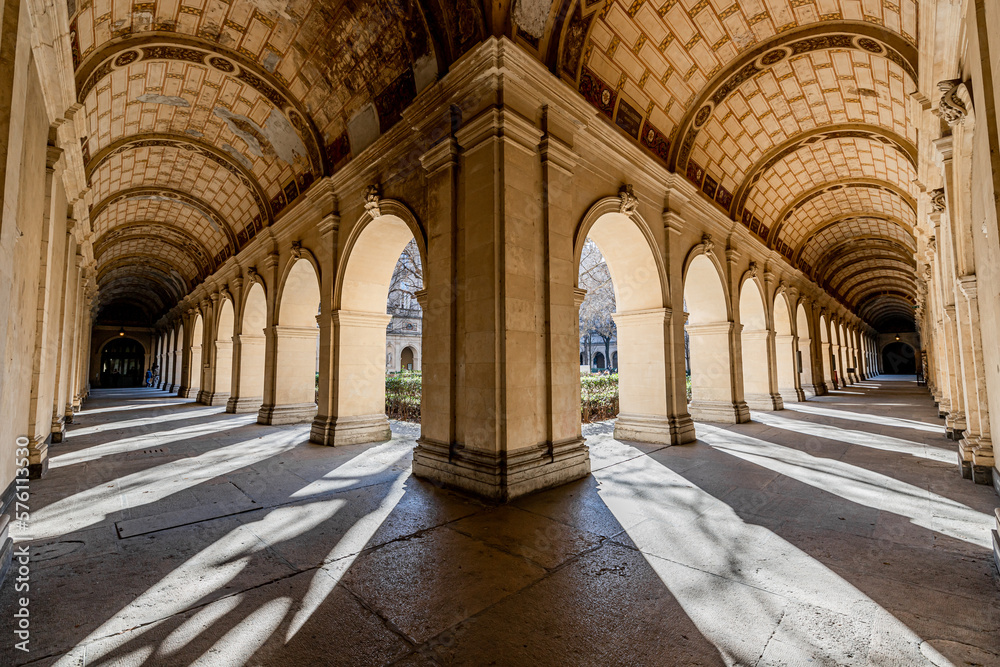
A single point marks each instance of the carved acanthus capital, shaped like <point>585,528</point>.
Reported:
<point>951,107</point>
<point>938,200</point>
<point>629,202</point>
<point>372,198</point>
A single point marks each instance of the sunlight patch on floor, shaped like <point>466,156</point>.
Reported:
<point>881,420</point>
<point>857,485</point>
<point>148,440</point>
<point>155,483</point>
<point>147,421</point>
<point>862,438</point>
<point>759,599</point>
<point>202,578</point>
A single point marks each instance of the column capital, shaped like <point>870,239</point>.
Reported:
<point>440,155</point>
<point>579,294</point>
<point>968,285</point>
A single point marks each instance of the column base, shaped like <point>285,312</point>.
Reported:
<point>338,431</point>
<point>187,392</point>
<point>242,405</point>
<point>276,415</point>
<point>791,396</point>
<point>655,429</point>
<point>768,402</point>
<point>38,458</point>
<point>720,412</point>
<point>809,391</point>
<point>213,398</point>
<point>68,417</point>
<point>58,430</point>
<point>501,477</point>
<point>954,433</point>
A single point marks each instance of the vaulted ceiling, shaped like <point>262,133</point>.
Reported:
<point>206,118</point>
<point>792,116</point>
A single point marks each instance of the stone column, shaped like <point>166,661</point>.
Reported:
<point>514,431</point>
<point>355,406</point>
<point>681,423</point>
<point>190,358</point>
<point>714,394</point>
<point>644,349</point>
<point>976,445</point>
<point>209,309</point>
<point>955,423</point>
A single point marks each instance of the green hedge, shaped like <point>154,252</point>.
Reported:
<point>598,396</point>
<point>402,396</point>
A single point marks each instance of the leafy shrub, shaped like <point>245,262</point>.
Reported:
<point>402,395</point>
<point>598,397</point>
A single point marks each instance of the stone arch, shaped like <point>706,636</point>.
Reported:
<point>178,362</point>
<point>711,336</point>
<point>352,389</point>
<point>295,333</point>
<point>222,362</point>
<point>804,354</point>
<point>195,355</point>
<point>248,352</point>
<point>642,317</point>
<point>784,348</point>
<point>407,359</point>
<point>756,343</point>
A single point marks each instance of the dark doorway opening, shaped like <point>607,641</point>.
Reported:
<point>899,359</point>
<point>122,363</point>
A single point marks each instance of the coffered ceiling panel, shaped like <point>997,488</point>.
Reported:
<point>837,201</point>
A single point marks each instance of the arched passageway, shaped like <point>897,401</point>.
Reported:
<point>352,384</point>
<point>248,354</point>
<point>406,359</point>
<point>647,390</point>
<point>759,385</point>
<point>599,361</point>
<point>122,363</point>
<point>899,358</point>
<point>714,393</point>
<point>826,355</point>
<point>290,386</point>
<point>785,357</point>
<point>804,354</point>
<point>191,378</point>
<point>220,373</point>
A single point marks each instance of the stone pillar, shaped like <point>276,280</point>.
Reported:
<point>355,408</point>
<point>976,445</point>
<point>714,395</point>
<point>643,351</point>
<point>293,348</point>
<point>955,423</point>
<point>516,424</point>
<point>190,358</point>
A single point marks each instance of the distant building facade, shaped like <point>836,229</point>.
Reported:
<point>402,340</point>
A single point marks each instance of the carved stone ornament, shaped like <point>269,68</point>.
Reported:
<point>938,201</point>
<point>782,285</point>
<point>932,244</point>
<point>753,269</point>
<point>252,276</point>
<point>629,202</point>
<point>707,244</point>
<point>297,249</point>
<point>951,107</point>
<point>372,201</point>
<point>224,293</point>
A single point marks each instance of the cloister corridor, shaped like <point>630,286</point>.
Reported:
<point>832,532</point>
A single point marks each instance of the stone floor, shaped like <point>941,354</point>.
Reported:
<point>835,532</point>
